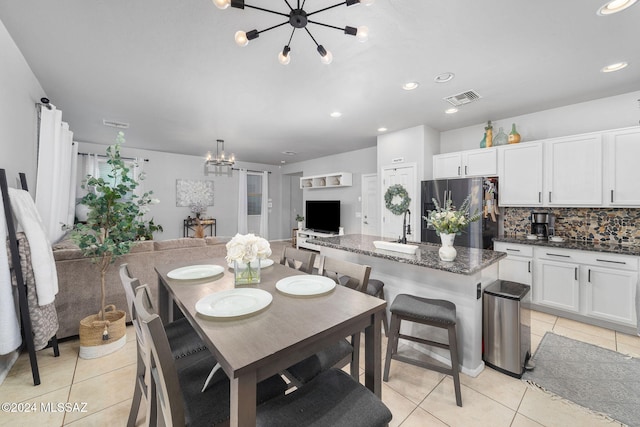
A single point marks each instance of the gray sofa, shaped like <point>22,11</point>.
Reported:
<point>79,278</point>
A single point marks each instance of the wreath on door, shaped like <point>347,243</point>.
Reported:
<point>391,196</point>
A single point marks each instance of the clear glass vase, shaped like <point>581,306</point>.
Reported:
<point>246,274</point>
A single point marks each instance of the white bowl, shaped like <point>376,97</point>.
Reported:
<point>532,237</point>
<point>556,239</point>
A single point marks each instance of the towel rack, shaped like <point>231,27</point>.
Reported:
<point>25,319</point>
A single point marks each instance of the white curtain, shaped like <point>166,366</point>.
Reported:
<point>242,202</point>
<point>264,213</point>
<point>55,185</point>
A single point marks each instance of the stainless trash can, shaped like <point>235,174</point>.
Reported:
<point>506,327</point>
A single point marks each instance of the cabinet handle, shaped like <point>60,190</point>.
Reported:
<point>589,276</point>
<point>513,250</point>
<point>539,196</point>
<point>576,273</point>
<point>458,170</point>
<point>611,196</point>
<point>549,196</point>
<point>529,266</point>
<point>613,262</point>
<point>563,256</point>
<point>465,170</point>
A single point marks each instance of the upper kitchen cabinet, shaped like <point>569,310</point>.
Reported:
<point>622,173</point>
<point>573,171</point>
<point>465,164</point>
<point>520,170</point>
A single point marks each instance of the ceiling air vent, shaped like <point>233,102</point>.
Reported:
<point>114,124</point>
<point>462,98</point>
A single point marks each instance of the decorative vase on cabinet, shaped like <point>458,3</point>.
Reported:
<point>483,143</point>
<point>514,136</point>
<point>500,139</point>
<point>489,132</point>
<point>447,252</point>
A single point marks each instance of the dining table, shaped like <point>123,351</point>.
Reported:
<point>252,347</point>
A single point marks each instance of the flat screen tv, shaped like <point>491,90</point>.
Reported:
<point>323,216</point>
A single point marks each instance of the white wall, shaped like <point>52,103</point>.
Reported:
<point>162,171</point>
<point>19,92</point>
<point>600,114</point>
<point>357,162</point>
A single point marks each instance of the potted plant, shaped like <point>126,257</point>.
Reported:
<point>115,220</point>
<point>300,218</point>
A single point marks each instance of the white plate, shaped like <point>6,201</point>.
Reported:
<point>556,239</point>
<point>532,237</point>
<point>264,263</point>
<point>234,302</point>
<point>195,272</point>
<point>305,285</point>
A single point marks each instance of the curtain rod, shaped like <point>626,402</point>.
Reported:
<point>249,170</point>
<point>102,155</point>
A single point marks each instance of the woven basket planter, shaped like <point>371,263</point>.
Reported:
<point>101,337</point>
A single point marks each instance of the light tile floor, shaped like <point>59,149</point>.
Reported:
<point>416,397</point>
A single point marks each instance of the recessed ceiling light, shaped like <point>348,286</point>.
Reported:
<point>382,129</point>
<point>410,85</point>
<point>336,114</point>
<point>444,77</point>
<point>614,67</point>
<point>451,110</point>
<point>289,153</point>
<point>283,161</point>
<point>615,6</point>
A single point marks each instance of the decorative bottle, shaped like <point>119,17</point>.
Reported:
<point>500,139</point>
<point>489,130</point>
<point>483,143</point>
<point>514,136</point>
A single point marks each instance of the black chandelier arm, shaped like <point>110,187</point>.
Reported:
<point>327,25</point>
<point>312,38</point>
<point>326,8</point>
<point>289,6</point>
<point>291,38</point>
<point>266,10</point>
<point>271,28</point>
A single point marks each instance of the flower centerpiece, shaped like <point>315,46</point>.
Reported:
<point>448,222</point>
<point>245,252</point>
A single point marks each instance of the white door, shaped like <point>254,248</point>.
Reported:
<point>370,217</point>
<point>392,224</point>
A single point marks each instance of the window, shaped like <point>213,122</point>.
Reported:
<point>254,194</point>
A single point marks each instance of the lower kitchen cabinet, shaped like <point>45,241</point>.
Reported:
<point>556,285</point>
<point>518,265</point>
<point>610,294</point>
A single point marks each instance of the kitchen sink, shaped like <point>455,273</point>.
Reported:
<point>395,247</point>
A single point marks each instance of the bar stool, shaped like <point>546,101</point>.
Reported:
<point>432,312</point>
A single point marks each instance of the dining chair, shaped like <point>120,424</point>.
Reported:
<point>186,347</point>
<point>343,351</point>
<point>331,399</point>
<point>178,392</point>
<point>298,259</point>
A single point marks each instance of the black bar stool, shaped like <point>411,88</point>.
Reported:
<point>432,312</point>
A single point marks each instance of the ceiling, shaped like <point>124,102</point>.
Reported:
<point>172,70</point>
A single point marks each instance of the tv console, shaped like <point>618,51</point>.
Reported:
<point>303,235</point>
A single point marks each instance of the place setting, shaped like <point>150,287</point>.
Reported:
<point>305,285</point>
<point>234,303</point>
<point>196,272</point>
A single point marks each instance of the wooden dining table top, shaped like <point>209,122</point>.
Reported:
<point>289,329</point>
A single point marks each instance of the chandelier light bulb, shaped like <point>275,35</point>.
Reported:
<point>222,4</point>
<point>241,38</point>
<point>283,57</point>
<point>326,59</point>
<point>363,33</point>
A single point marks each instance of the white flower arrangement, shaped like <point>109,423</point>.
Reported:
<point>448,220</point>
<point>247,248</point>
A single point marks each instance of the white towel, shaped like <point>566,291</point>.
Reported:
<point>10,338</point>
<point>44,267</point>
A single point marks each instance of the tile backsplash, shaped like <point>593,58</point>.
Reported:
<point>619,225</point>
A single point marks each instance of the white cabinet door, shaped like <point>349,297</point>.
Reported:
<point>556,285</point>
<point>520,172</point>
<point>447,165</point>
<point>480,162</point>
<point>574,171</point>
<point>623,173</point>
<point>516,269</point>
<point>610,294</point>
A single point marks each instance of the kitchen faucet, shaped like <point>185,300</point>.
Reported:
<point>406,228</point>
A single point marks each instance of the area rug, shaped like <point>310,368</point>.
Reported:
<point>601,380</point>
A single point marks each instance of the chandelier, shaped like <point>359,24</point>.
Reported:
<point>220,163</point>
<point>298,18</point>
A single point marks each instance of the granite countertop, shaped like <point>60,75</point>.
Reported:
<point>468,261</point>
<point>582,245</point>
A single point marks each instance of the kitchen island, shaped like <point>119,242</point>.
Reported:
<point>423,274</point>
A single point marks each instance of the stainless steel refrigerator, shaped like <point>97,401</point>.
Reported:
<point>479,234</point>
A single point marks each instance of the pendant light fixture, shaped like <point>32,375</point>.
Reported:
<point>298,18</point>
<point>221,163</point>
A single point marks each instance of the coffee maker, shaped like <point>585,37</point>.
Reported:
<point>543,224</point>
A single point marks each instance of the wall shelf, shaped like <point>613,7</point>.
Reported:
<point>331,180</point>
